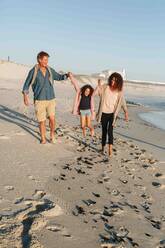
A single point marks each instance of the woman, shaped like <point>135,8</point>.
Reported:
<point>84,105</point>
<point>111,100</point>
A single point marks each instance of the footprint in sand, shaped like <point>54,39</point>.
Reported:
<point>54,228</point>
<point>18,200</point>
<point>4,137</point>
<point>38,194</point>
<point>115,192</point>
<point>1,199</point>
<point>162,186</point>
<point>115,238</point>
<point>140,186</point>
<point>20,133</point>
<point>32,216</point>
<point>31,177</point>
<point>89,202</point>
<point>159,175</point>
<point>21,164</point>
<point>162,243</point>
<point>156,184</point>
<point>9,187</point>
<point>54,212</point>
<point>60,229</point>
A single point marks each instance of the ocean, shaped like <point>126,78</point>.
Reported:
<point>155,117</point>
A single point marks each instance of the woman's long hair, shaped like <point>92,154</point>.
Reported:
<point>87,86</point>
<point>118,81</point>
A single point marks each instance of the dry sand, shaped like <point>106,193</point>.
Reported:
<point>68,194</point>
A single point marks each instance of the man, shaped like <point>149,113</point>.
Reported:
<point>41,79</point>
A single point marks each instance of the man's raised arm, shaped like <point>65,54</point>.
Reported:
<point>59,77</point>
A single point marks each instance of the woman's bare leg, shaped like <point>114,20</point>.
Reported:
<point>110,150</point>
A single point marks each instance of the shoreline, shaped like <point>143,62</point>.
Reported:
<point>150,110</point>
<point>151,122</point>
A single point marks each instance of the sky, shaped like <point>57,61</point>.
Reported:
<point>87,36</point>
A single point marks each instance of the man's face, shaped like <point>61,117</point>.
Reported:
<point>44,61</point>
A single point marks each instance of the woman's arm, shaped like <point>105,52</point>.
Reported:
<point>124,107</point>
<point>98,90</point>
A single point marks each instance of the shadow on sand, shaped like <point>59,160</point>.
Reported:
<point>31,126</point>
<point>27,124</point>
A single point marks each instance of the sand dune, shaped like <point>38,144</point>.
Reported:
<point>14,71</point>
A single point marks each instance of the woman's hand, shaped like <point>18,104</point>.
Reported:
<point>99,82</point>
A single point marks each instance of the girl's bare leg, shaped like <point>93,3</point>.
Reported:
<point>83,125</point>
<point>89,125</point>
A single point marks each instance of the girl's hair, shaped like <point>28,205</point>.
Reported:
<point>87,86</point>
<point>118,79</point>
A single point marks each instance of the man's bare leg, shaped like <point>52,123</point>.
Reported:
<point>42,131</point>
<point>52,127</point>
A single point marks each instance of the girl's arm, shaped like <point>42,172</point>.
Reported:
<point>74,82</point>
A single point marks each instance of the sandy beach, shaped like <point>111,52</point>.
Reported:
<point>67,194</point>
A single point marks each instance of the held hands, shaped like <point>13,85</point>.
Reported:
<point>70,75</point>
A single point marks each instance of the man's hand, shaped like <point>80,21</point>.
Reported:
<point>126,116</point>
<point>26,100</point>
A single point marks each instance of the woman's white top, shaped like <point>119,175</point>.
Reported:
<point>109,101</point>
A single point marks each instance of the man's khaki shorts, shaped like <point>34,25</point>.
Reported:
<point>44,109</point>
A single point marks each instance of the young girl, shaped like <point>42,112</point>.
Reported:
<point>84,105</point>
<point>111,100</point>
